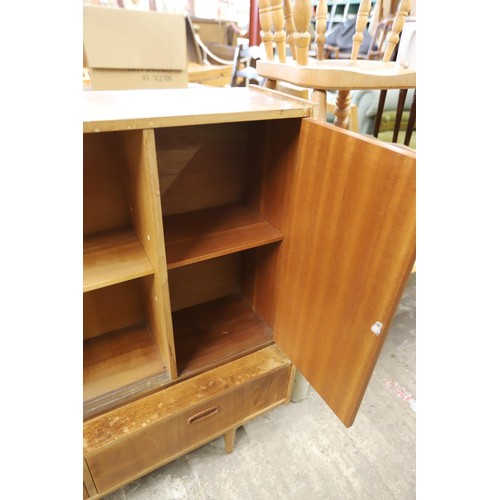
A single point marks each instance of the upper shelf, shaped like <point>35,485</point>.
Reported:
<point>105,111</point>
<point>204,234</point>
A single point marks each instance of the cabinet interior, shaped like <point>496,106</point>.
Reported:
<point>209,198</point>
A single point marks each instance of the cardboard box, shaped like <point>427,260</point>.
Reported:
<point>129,49</point>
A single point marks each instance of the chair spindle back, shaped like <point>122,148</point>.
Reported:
<point>284,21</point>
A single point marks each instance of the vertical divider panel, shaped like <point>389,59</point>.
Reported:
<point>146,215</point>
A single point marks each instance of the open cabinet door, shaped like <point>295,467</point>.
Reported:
<point>346,257</point>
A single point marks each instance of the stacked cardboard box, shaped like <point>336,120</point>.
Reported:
<point>129,49</point>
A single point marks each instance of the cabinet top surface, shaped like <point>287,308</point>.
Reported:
<point>105,111</point>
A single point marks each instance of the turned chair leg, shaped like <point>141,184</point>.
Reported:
<point>342,109</point>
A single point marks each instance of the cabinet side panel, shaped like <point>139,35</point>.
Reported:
<point>147,220</point>
<point>280,144</point>
<point>347,253</point>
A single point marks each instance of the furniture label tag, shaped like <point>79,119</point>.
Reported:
<point>377,328</point>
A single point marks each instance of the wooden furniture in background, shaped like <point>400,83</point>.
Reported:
<point>200,69</point>
<point>228,238</point>
<point>338,12</point>
<point>375,50</point>
<point>216,75</point>
<point>340,75</point>
<point>244,66</point>
<point>216,39</point>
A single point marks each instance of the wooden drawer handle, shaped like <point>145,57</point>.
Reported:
<point>203,414</point>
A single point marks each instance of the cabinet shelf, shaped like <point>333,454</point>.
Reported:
<point>217,331</point>
<point>120,362</point>
<point>204,234</point>
<point>111,257</point>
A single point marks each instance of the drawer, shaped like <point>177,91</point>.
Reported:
<point>159,428</point>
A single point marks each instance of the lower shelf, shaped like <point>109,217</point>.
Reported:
<point>216,332</point>
<point>119,365</point>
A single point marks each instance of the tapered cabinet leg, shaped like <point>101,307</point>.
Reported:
<point>229,440</point>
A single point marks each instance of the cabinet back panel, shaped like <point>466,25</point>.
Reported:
<point>216,332</point>
<point>105,198</point>
<point>204,281</point>
<point>202,166</point>
<point>112,308</point>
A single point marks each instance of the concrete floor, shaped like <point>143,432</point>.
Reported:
<point>303,452</point>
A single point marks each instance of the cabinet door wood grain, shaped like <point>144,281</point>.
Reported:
<point>347,252</point>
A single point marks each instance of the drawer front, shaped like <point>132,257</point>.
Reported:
<point>162,441</point>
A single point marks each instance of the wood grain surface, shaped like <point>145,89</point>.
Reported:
<point>170,434</point>
<point>112,308</point>
<point>204,281</point>
<point>347,253</point>
<point>217,331</point>
<point>105,429</point>
<point>118,359</point>
<point>111,257</point>
<point>203,234</point>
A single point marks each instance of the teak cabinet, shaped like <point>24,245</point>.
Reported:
<point>228,238</point>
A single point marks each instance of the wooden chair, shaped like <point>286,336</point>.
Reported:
<point>390,123</point>
<point>281,22</point>
<point>375,49</point>
<point>379,40</point>
<point>399,114</point>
